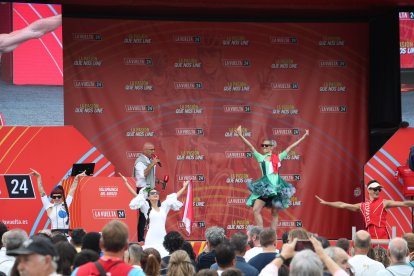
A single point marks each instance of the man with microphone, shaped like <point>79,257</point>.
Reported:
<point>144,173</point>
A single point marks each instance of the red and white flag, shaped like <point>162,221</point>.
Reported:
<point>188,214</point>
<point>2,123</point>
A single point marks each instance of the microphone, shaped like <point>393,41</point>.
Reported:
<point>165,180</point>
<point>156,156</point>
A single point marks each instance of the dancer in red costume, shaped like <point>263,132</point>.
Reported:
<point>374,210</point>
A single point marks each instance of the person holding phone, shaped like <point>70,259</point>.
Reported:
<point>305,262</point>
<point>374,210</point>
<point>270,190</point>
<point>58,209</point>
<point>155,211</point>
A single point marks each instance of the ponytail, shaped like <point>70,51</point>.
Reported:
<point>151,262</point>
<point>66,208</point>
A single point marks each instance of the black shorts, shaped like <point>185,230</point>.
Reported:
<point>268,201</point>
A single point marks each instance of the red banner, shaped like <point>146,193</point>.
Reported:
<point>185,86</point>
<point>407,39</point>
<point>99,200</point>
<point>50,150</point>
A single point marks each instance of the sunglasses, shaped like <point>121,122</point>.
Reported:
<point>376,189</point>
<point>266,145</point>
<point>56,196</point>
<point>154,193</point>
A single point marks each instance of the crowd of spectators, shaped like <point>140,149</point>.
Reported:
<point>253,253</point>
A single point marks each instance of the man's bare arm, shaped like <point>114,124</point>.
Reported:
<point>37,29</point>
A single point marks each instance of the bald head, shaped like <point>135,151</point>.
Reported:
<point>148,149</point>
<point>148,146</point>
<point>398,250</point>
<point>362,242</point>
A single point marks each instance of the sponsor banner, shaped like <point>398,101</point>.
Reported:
<point>188,88</point>
<point>99,200</point>
<point>407,39</point>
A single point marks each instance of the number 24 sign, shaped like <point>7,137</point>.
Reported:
<point>16,186</point>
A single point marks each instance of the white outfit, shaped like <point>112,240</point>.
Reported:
<point>58,215</point>
<point>140,167</point>
<point>365,266</point>
<point>156,228</point>
<point>6,262</point>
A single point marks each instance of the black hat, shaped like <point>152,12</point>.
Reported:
<point>35,245</point>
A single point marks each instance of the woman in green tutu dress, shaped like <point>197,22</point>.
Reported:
<point>270,190</point>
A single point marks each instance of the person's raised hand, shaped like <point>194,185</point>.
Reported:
<point>34,172</point>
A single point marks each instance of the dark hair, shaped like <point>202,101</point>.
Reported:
<point>151,262</point>
<point>77,236</point>
<point>60,190</point>
<point>285,237</point>
<point>232,272</point>
<point>67,254</point>
<point>85,256</point>
<point>173,241</point>
<point>324,241</point>
<point>150,206</point>
<point>58,237</point>
<point>91,241</point>
<point>239,241</point>
<point>225,254</point>
<point>187,247</point>
<point>343,243</point>
<point>3,229</point>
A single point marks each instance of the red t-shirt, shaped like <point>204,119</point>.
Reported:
<point>112,266</point>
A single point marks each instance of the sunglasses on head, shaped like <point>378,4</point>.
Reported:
<point>56,196</point>
<point>266,145</point>
<point>154,193</point>
<point>376,189</point>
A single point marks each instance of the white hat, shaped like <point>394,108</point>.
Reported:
<point>374,185</point>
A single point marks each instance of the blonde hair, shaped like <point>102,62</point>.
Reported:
<point>180,264</point>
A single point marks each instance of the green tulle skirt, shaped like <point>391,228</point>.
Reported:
<point>275,195</point>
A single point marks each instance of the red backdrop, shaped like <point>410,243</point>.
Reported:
<point>383,167</point>
<point>185,86</point>
<point>407,39</point>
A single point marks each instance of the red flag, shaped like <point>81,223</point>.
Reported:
<point>188,214</point>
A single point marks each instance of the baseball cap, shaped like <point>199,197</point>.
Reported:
<point>373,185</point>
<point>34,245</point>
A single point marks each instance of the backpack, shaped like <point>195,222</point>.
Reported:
<point>410,161</point>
